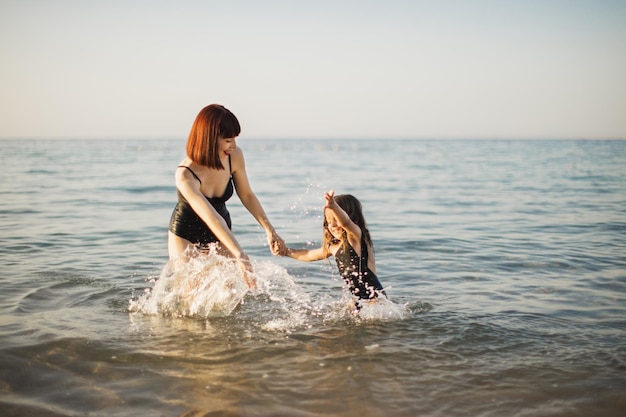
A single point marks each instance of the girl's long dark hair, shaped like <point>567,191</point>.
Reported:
<point>353,208</point>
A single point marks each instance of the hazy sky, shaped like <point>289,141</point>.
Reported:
<point>308,69</point>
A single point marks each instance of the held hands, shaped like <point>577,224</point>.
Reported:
<point>277,244</point>
<point>279,248</point>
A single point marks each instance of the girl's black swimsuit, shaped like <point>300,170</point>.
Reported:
<point>363,283</point>
<point>187,224</point>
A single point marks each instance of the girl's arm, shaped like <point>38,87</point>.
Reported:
<point>344,220</point>
<point>307,255</point>
<point>250,200</point>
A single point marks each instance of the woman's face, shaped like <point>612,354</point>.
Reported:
<point>227,146</point>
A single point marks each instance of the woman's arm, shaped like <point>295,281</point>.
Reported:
<point>250,200</point>
<point>189,187</point>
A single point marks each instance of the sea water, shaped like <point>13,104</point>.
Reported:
<point>504,262</point>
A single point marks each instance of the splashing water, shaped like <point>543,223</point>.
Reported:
<point>208,284</point>
<point>203,285</point>
<point>382,309</point>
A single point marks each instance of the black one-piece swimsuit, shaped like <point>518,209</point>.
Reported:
<point>361,280</point>
<point>187,224</point>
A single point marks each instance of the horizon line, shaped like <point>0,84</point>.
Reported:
<point>451,138</point>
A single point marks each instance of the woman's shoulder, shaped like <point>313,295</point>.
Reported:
<point>188,169</point>
<point>185,163</point>
<point>237,159</point>
<point>237,153</point>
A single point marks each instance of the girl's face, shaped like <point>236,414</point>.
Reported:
<point>227,146</point>
<point>333,225</point>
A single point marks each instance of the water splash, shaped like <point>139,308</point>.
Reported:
<point>209,285</point>
<point>302,206</point>
<point>379,310</point>
<point>382,309</point>
<point>286,305</point>
<point>204,285</point>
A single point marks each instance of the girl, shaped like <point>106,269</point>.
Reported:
<point>347,239</point>
<point>205,180</point>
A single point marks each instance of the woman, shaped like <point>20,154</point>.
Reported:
<point>205,180</point>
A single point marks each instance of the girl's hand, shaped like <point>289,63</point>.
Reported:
<point>330,199</point>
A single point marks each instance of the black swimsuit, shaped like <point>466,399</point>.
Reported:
<point>363,283</point>
<point>187,224</point>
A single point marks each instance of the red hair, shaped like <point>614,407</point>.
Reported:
<point>212,123</point>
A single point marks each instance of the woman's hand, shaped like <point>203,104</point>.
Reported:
<point>277,244</point>
<point>246,271</point>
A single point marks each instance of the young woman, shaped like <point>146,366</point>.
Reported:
<point>205,180</point>
<point>347,238</point>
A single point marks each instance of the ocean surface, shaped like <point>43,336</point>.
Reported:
<point>504,262</point>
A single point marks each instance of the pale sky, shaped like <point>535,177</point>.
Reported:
<point>314,69</point>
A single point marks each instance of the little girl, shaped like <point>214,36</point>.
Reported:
<point>346,238</point>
